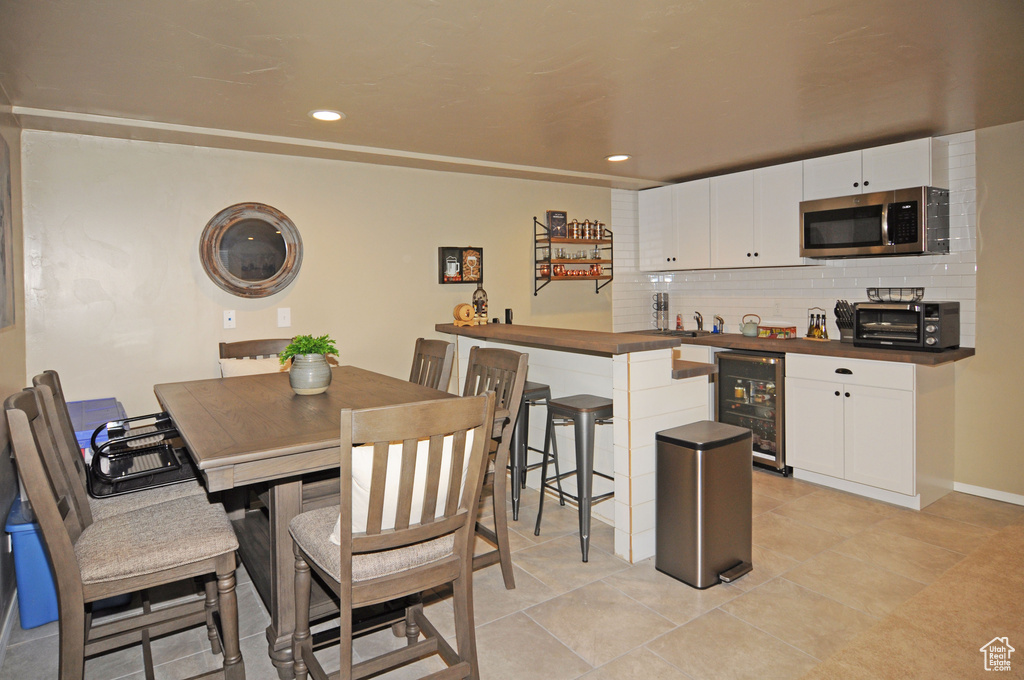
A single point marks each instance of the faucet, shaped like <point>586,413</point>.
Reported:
<point>719,326</point>
<point>699,319</point>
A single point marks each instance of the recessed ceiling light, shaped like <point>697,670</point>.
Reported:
<point>327,115</point>
<point>618,157</point>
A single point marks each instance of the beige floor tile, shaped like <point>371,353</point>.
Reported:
<point>672,599</point>
<point>558,520</point>
<point>720,646</point>
<point>901,555</point>
<point>983,512</point>
<point>492,601</point>
<point>835,512</point>
<point>812,623</point>
<point>761,504</point>
<point>857,584</point>
<point>790,537</point>
<point>599,622</point>
<point>640,664</point>
<point>516,648</point>
<point>559,565</point>
<point>767,565</point>
<point>939,531</point>
<point>782,488</point>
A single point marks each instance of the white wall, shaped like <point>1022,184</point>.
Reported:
<point>117,299</point>
<point>732,293</point>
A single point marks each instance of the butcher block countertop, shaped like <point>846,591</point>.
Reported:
<point>565,339</point>
<point>831,348</point>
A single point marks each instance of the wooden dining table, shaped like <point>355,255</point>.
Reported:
<point>250,431</point>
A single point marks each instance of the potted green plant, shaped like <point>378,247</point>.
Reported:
<point>310,372</point>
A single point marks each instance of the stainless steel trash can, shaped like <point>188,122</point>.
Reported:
<point>704,476</point>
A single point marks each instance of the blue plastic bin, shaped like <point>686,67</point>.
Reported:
<point>89,414</point>
<point>37,597</point>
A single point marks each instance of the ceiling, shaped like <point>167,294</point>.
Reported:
<point>529,88</point>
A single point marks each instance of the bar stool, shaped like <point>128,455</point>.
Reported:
<point>585,411</point>
<point>534,394</point>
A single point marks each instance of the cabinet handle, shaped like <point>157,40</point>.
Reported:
<point>856,184</point>
<point>847,394</point>
<point>837,393</point>
<point>748,254</point>
<point>866,182</point>
<point>755,254</point>
<point>844,371</point>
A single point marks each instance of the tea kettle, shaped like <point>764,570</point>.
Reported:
<point>749,328</point>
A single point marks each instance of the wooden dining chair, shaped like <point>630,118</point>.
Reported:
<point>249,357</point>
<point>177,540</point>
<point>503,372</point>
<point>55,412</point>
<point>411,477</point>
<point>432,363</point>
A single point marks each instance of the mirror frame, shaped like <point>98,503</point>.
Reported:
<point>213,234</point>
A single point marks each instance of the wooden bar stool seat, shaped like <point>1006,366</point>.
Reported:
<point>585,411</point>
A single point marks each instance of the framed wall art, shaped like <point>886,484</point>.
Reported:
<point>460,265</point>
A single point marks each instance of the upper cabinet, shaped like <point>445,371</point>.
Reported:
<point>755,217</point>
<point>920,162</point>
<point>674,227</point>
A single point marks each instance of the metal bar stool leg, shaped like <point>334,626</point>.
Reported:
<point>584,430</point>
<point>517,458</point>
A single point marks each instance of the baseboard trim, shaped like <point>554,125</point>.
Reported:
<point>5,634</point>
<point>1005,496</point>
<point>911,502</point>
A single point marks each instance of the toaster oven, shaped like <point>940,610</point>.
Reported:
<point>916,325</point>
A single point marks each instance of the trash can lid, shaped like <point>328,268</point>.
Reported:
<point>703,435</point>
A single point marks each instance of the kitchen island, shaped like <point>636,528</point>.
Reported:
<point>636,372</point>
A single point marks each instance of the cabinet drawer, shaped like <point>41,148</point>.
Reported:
<point>888,374</point>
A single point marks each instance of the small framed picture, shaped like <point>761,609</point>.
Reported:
<point>460,264</point>
<point>558,224</point>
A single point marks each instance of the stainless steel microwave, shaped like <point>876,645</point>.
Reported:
<point>901,222</point>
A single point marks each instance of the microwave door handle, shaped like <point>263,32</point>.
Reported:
<point>886,241</point>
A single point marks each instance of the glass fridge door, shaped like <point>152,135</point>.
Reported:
<point>749,394</point>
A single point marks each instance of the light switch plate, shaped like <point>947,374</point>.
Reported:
<point>284,317</point>
<point>229,318</point>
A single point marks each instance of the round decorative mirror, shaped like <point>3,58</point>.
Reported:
<point>251,250</point>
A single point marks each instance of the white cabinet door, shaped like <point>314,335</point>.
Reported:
<point>879,438</point>
<point>732,220</point>
<point>691,207</point>
<point>897,166</point>
<point>814,426</point>
<point>657,233</point>
<point>836,175</point>
<point>777,193</point>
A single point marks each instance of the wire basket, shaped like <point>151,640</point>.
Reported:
<point>895,294</point>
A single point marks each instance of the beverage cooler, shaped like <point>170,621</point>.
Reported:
<point>749,392</point>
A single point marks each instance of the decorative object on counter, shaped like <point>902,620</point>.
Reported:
<point>310,372</point>
<point>776,332</point>
<point>749,328</point>
<point>508,315</point>
<point>553,262</point>
<point>463,314</point>
<point>816,324</point>
<point>697,317</point>
<point>480,305</point>
<point>660,307</point>
<point>679,322</point>
<point>895,294</point>
<point>719,324</point>
<point>844,320</point>
<point>558,224</point>
<point>460,265</point>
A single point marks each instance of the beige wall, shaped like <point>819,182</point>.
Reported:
<point>990,408</point>
<point>12,338</point>
<point>117,300</point>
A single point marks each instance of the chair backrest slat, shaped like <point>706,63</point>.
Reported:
<point>433,480</point>
<point>432,363</point>
<point>253,349</point>
<point>61,424</point>
<point>50,400</point>
<point>406,483</point>
<point>375,516</point>
<point>456,465</point>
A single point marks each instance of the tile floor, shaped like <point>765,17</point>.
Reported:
<point>827,565</point>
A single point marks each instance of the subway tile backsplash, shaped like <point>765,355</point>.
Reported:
<point>783,295</point>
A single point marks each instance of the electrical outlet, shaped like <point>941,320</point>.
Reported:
<point>284,317</point>
<point>229,318</point>
<point>777,309</point>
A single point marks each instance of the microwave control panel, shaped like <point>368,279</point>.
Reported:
<point>902,222</point>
